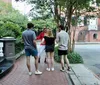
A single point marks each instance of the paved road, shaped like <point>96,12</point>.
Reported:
<point>91,56</point>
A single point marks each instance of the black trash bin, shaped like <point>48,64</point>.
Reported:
<point>9,47</point>
<point>8,50</point>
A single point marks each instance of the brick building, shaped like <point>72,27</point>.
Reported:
<point>89,33</point>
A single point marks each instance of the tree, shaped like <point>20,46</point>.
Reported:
<point>68,8</point>
<point>40,9</point>
<point>11,23</point>
<point>7,13</point>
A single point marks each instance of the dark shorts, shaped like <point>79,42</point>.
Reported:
<point>62,52</point>
<point>49,48</point>
<point>29,52</point>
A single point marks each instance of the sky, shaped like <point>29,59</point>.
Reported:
<point>23,7</point>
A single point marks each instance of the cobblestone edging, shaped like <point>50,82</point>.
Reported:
<point>19,54</point>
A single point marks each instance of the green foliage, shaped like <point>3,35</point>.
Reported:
<point>98,2</point>
<point>12,30</point>
<point>12,23</point>
<point>40,23</point>
<point>73,57</point>
<point>40,10</point>
<point>7,13</point>
<point>5,8</point>
<point>15,18</point>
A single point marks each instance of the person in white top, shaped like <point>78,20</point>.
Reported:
<point>62,39</point>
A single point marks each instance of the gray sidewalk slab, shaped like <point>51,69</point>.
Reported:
<point>81,75</point>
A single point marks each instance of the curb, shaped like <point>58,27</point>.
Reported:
<point>93,73</point>
<point>86,43</point>
<point>7,68</point>
<point>84,76</point>
<point>73,78</point>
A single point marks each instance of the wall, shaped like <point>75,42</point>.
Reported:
<point>82,34</point>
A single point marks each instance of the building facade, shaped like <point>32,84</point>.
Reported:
<point>88,33</point>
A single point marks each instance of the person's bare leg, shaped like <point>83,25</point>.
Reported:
<point>52,59</point>
<point>62,61</point>
<point>37,72</point>
<point>48,59</point>
<point>41,48</point>
<point>67,62</point>
<point>28,63</point>
<point>36,63</point>
<point>45,60</point>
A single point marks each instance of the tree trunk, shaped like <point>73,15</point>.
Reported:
<point>74,31</point>
<point>69,31</point>
<point>56,13</point>
<point>73,40</point>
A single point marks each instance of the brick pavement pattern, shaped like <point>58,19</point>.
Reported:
<point>19,75</point>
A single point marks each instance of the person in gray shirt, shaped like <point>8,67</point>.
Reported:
<point>62,40</point>
<point>29,37</point>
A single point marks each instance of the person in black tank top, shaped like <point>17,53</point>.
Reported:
<point>49,49</point>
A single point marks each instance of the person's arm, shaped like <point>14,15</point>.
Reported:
<point>43,41</point>
<point>40,36</point>
<point>57,38</point>
<point>68,40</point>
<point>22,39</point>
<point>56,41</point>
<point>34,40</point>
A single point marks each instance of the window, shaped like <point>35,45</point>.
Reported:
<point>94,36</point>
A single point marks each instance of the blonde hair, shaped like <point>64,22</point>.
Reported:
<point>50,34</point>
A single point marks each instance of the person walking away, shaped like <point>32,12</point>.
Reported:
<point>62,40</point>
<point>49,49</point>
<point>30,47</point>
<point>41,47</point>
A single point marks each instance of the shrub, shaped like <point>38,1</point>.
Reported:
<point>73,57</point>
<point>10,29</point>
<point>12,23</point>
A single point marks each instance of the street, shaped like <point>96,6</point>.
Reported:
<point>91,56</point>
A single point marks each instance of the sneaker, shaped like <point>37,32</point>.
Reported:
<point>48,69</point>
<point>68,69</point>
<point>38,72</point>
<point>62,69</point>
<point>52,69</point>
<point>30,73</point>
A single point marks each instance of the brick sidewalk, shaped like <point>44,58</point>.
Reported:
<point>19,75</point>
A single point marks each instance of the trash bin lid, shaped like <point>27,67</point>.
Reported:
<point>7,39</point>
